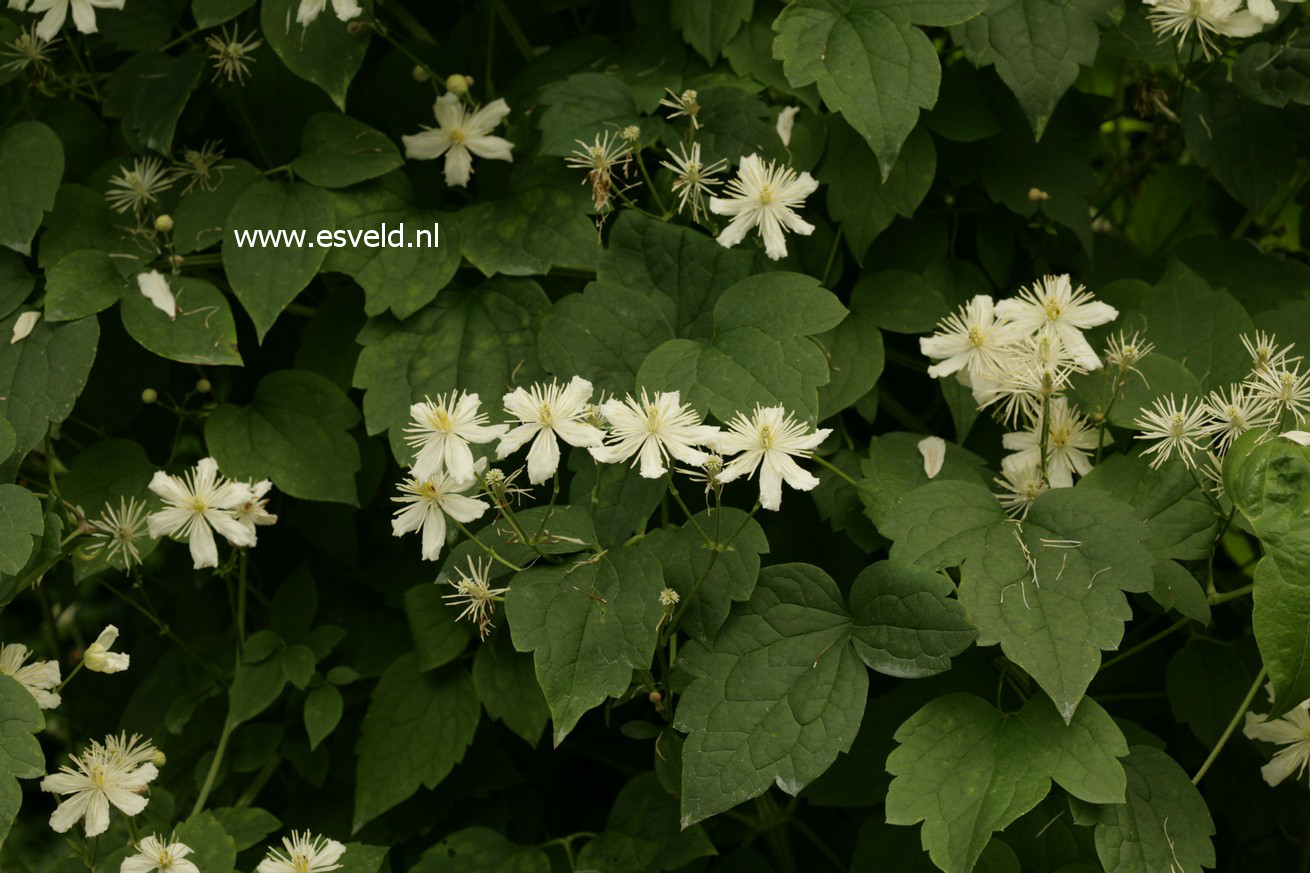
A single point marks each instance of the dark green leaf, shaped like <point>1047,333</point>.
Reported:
<point>906,624</point>
<point>337,151</point>
<point>34,164</point>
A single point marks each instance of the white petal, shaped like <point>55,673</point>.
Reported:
<point>204,552</point>
<point>24,325</point>
<point>155,288</point>
<point>543,457</point>
<point>426,145</point>
<point>459,166</point>
<point>933,450</point>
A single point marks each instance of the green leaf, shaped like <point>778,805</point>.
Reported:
<point>21,519</point>
<point>1181,521</point>
<point>967,770</point>
<point>682,270</point>
<point>1273,75</point>
<point>643,833</point>
<point>940,524</point>
<point>624,499</point>
<point>507,685</point>
<point>100,477</point>
<point>15,283</point>
<point>1206,681</point>
<point>20,753</point>
<point>328,52</point>
<point>583,105</point>
<point>248,825</point>
<point>417,728</point>
<point>902,302</point>
<point>480,340</point>
<point>296,432</point>
<point>894,469</point>
<point>777,699</point>
<point>82,221</point>
<point>33,159</point>
<point>254,688</point>
<point>439,637</point>
<point>200,218</point>
<point>589,624</point>
<point>859,198</point>
<point>760,353</point>
<point>149,91</point>
<point>360,858</point>
<point>202,333</point>
<point>82,284</point>
<point>337,151</point>
<point>1176,588</point>
<point>42,376</point>
<point>7,440</point>
<point>906,624</point>
<point>543,223</point>
<point>734,124</point>
<point>855,357</point>
<point>716,578</point>
<point>869,62</point>
<point>1037,46</point>
<point>400,278</point>
<point>1163,828</point>
<point>604,333</point>
<point>213,848</point>
<point>210,13</point>
<point>265,278</point>
<point>708,25</point>
<point>323,706</point>
<point>481,850</point>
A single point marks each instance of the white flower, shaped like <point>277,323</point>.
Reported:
<point>197,502</point>
<point>98,658</point>
<point>786,121</point>
<point>154,287</point>
<point>138,187</point>
<point>253,508</point>
<point>1179,427</point>
<point>84,14</point>
<point>1266,353</point>
<point>1179,18</point>
<point>682,104</point>
<point>547,412</point>
<point>1035,368</point>
<point>156,853</point>
<point>305,853</point>
<point>1292,731</point>
<point>38,677</point>
<point>1232,415</point>
<point>459,136</point>
<point>1124,351</point>
<point>692,178</point>
<point>116,771</point>
<point>1052,306</point>
<point>473,591</point>
<point>599,160</point>
<point>971,339</point>
<point>1282,390</point>
<point>24,325</point>
<point>767,441</point>
<point>764,197</point>
<point>427,503</point>
<point>28,50</point>
<point>310,9</point>
<point>652,430</point>
<point>117,531</point>
<point>441,431</point>
<point>232,54</point>
<point>669,598</point>
<point>933,450</point>
<point>1021,483</point>
<point>1069,442</point>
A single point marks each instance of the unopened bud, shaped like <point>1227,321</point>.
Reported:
<point>1037,195</point>
<point>458,83</point>
<point>150,395</point>
<point>655,697</point>
<point>420,74</point>
<point>164,223</point>
<point>203,386</point>
<point>159,759</point>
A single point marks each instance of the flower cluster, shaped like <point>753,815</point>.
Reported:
<point>1206,19</point>
<point>1017,356</point>
<point>202,501</point>
<point>1199,431</point>
<point>117,771</point>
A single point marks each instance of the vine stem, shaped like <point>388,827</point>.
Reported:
<point>1150,641</point>
<point>213,765</point>
<point>1232,725</point>
<point>486,548</point>
<point>673,489</point>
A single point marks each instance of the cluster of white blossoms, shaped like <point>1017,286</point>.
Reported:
<point>116,772</point>
<point>1199,431</point>
<point>1204,20</point>
<point>1017,357</point>
<point>41,678</point>
<point>56,12</point>
<point>648,431</point>
<point>202,501</point>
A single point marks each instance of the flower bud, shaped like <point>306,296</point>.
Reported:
<point>1037,195</point>
<point>655,697</point>
<point>203,386</point>
<point>164,223</point>
<point>420,74</point>
<point>159,759</point>
<point>457,83</point>
<point>150,395</point>
<point>99,659</point>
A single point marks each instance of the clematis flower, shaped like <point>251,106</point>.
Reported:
<point>1179,427</point>
<point>311,9</point>
<point>768,441</point>
<point>1051,306</point>
<point>1021,484</point>
<point>546,412</point>
<point>474,593</point>
<point>692,178</point>
<point>1203,18</point>
<point>971,340</point>
<point>116,772</point>
<point>427,503</point>
<point>765,197</point>
<point>651,431</point>
<point>441,431</point>
<point>1069,442</point>
<point>38,677</point>
<point>198,504</point>
<point>99,659</point>
<point>138,187</point>
<point>56,11</point>
<point>305,853</point>
<point>118,531</point>
<point>154,853</point>
<point>460,135</point>
<point>1292,732</point>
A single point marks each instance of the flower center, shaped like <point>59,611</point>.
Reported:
<point>977,337</point>
<point>766,195</point>
<point>652,417</point>
<point>300,862</point>
<point>164,861</point>
<point>458,136</point>
<point>97,777</point>
<point>545,414</point>
<point>767,437</point>
<point>1053,309</point>
<point>440,419</point>
<point>196,504</point>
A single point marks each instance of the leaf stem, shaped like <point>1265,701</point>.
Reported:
<point>214,764</point>
<point>1232,725</point>
<point>1149,641</point>
<point>486,548</point>
<point>1225,596</point>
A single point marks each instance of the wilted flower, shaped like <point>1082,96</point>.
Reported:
<point>693,180</point>
<point>682,104</point>
<point>118,531</point>
<point>138,187</point>
<point>29,51</point>
<point>1266,353</point>
<point>201,166</point>
<point>599,160</point>
<point>38,677</point>
<point>231,54</point>
<point>1282,390</point>
<point>473,591</point>
<point>768,441</point>
<point>764,196</point>
<point>99,659</point>
<point>459,136</point>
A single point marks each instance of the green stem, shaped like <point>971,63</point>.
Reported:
<point>512,27</point>
<point>1045,436</point>
<point>261,779</point>
<point>673,489</point>
<point>1145,643</point>
<point>213,766</point>
<point>486,548</point>
<point>545,516</point>
<point>1232,725</point>
<point>832,256</point>
<point>717,548</point>
<point>654,192</point>
<point>69,677</point>
<point>1225,596</point>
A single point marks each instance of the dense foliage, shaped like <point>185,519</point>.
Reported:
<point>614,525</point>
